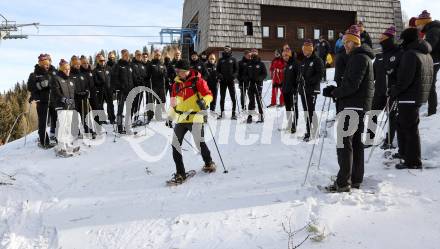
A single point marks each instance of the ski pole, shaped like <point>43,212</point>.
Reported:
<point>114,125</point>
<point>323,138</point>
<point>259,98</point>
<point>216,146</point>
<point>313,148</point>
<point>47,117</point>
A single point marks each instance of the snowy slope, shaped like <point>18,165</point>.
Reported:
<point>104,198</point>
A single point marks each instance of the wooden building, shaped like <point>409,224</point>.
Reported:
<point>268,24</point>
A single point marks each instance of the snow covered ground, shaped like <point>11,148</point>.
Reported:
<point>104,198</point>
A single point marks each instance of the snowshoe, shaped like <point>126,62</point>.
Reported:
<point>280,106</point>
<point>112,122</point>
<point>261,120</point>
<point>178,179</point>
<point>333,188</point>
<point>234,117</point>
<point>209,168</point>
<point>220,116</point>
<point>47,146</point>
<point>53,140</point>
<point>249,119</point>
<point>271,105</point>
<point>386,146</point>
<point>93,135</point>
<point>63,154</point>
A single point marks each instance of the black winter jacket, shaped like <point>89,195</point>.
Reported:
<point>340,65</point>
<point>101,77</point>
<point>34,84</point>
<point>380,77</point>
<point>81,82</point>
<point>415,74</point>
<point>171,72</point>
<point>312,69</point>
<point>386,64</point>
<point>242,69</point>
<point>256,71</point>
<point>357,88</point>
<point>122,76</point>
<point>227,67</point>
<point>323,48</point>
<point>213,75</point>
<point>432,36</point>
<point>199,66</point>
<point>63,87</point>
<point>290,84</point>
<point>139,73</point>
<point>157,74</point>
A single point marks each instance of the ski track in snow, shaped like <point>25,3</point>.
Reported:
<point>104,199</point>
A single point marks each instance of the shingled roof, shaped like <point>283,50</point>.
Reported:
<point>221,21</point>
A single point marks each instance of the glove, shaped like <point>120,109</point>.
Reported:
<point>87,93</point>
<point>328,91</point>
<point>67,101</point>
<point>202,104</point>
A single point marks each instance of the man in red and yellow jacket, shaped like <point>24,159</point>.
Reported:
<point>190,98</point>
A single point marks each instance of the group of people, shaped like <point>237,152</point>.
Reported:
<point>398,80</point>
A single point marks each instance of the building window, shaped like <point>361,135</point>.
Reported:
<point>248,29</point>
<point>331,34</point>
<point>301,33</point>
<point>266,32</point>
<point>281,32</point>
<point>316,34</point>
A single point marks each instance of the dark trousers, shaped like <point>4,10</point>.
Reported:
<point>160,103</point>
<point>106,95</point>
<point>291,104</point>
<point>255,91</point>
<point>213,86</point>
<point>82,106</point>
<point>351,155</point>
<point>121,102</point>
<point>42,109</point>
<point>136,105</point>
<point>197,131</point>
<point>432,100</point>
<point>244,88</point>
<point>309,102</point>
<point>230,86</point>
<point>408,134</point>
<point>379,104</point>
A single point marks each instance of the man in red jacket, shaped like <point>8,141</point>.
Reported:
<point>277,75</point>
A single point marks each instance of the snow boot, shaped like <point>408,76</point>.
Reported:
<point>234,116</point>
<point>261,120</point>
<point>306,137</point>
<point>179,179</point>
<point>63,153</point>
<point>293,130</point>
<point>209,167</point>
<point>249,119</point>
<point>220,116</point>
<point>405,166</point>
<point>46,146</point>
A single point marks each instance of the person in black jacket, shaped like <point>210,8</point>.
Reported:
<point>171,74</point>
<point>122,80</point>
<point>213,79</point>
<point>39,86</point>
<point>385,75</point>
<point>412,89</point>
<point>177,57</point>
<point>228,69</point>
<point>355,97</point>
<point>431,29</point>
<point>311,71</point>
<point>111,59</point>
<point>340,65</point>
<point>63,98</point>
<point>323,48</point>
<point>139,79</point>
<point>243,82</point>
<point>290,90</point>
<point>198,65</point>
<point>104,90</point>
<point>365,36</point>
<point>157,76</point>
<point>256,74</point>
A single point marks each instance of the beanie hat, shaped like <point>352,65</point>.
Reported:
<point>353,34</point>
<point>409,35</point>
<point>182,65</point>
<point>390,32</point>
<point>74,60</point>
<point>423,18</point>
<point>63,64</point>
<point>42,57</point>
<point>194,53</point>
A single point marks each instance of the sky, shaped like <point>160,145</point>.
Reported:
<point>18,57</point>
